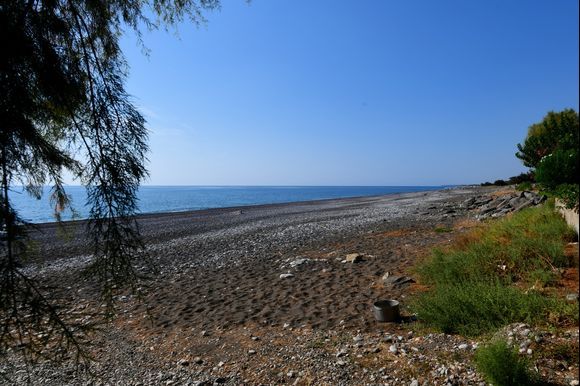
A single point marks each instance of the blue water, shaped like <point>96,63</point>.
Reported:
<point>154,199</point>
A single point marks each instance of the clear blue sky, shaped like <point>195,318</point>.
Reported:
<point>353,92</point>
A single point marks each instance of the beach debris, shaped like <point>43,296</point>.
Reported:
<point>286,275</point>
<point>299,261</point>
<point>394,281</point>
<point>354,258</point>
<point>341,353</point>
<point>489,207</point>
<point>573,297</point>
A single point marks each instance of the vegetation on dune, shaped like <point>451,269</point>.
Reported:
<point>502,366</point>
<point>497,275</point>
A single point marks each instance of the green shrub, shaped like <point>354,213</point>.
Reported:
<point>502,366</point>
<point>472,309</point>
<point>473,288</point>
<point>508,249</point>
<point>568,193</point>
<point>560,167</point>
<point>524,186</point>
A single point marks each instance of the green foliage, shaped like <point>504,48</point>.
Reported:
<point>472,285</point>
<point>524,186</point>
<point>521,178</point>
<point>474,308</point>
<point>64,107</point>
<point>502,366</point>
<point>568,193</point>
<point>559,167</point>
<point>508,250</point>
<point>557,131</point>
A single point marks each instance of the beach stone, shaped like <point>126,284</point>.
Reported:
<point>354,258</point>
<point>251,352</point>
<point>463,346</point>
<point>393,349</point>
<point>414,382</point>
<point>286,275</point>
<point>574,382</point>
<point>341,353</point>
<point>396,281</point>
<point>299,261</point>
<point>572,297</point>
<point>197,360</point>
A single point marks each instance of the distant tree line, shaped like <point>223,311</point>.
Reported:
<point>514,180</point>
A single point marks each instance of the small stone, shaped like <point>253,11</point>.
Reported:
<point>525,332</point>
<point>572,297</point>
<point>376,350</point>
<point>183,362</point>
<point>197,360</point>
<point>341,363</point>
<point>393,349</point>
<point>255,338</point>
<point>463,346</point>
<point>341,353</point>
<point>290,374</point>
<point>358,338</point>
<point>221,364</point>
<point>251,352</point>
<point>529,351</point>
<point>354,257</point>
<point>204,333</point>
<point>574,382</point>
<point>414,382</point>
<point>286,275</point>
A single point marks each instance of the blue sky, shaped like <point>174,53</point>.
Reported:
<point>353,92</point>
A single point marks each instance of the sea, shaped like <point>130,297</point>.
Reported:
<point>157,199</point>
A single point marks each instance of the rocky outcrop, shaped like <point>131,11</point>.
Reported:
<point>492,207</point>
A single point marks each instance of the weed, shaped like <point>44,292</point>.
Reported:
<point>502,366</point>
<point>472,283</point>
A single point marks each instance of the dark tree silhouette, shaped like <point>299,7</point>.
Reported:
<point>63,106</point>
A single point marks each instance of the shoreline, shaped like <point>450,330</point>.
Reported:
<point>267,296</point>
<point>263,205</point>
<point>160,228</point>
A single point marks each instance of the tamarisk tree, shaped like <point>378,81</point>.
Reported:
<point>64,108</point>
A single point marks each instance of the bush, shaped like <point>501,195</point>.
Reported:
<point>502,366</point>
<point>557,131</point>
<point>473,290</point>
<point>568,193</point>
<point>507,250</point>
<point>524,186</point>
<point>560,167</point>
<point>472,308</point>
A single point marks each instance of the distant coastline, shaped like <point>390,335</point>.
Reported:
<point>156,199</point>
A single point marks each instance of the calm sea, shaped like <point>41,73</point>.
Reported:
<point>155,199</point>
